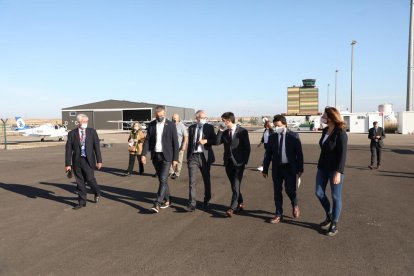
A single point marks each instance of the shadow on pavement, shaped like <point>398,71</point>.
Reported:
<point>34,192</point>
<point>308,225</point>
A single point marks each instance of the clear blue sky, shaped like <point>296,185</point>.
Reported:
<point>217,55</point>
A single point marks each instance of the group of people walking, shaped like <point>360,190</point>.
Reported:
<point>167,140</point>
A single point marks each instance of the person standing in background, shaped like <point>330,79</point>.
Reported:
<point>135,141</point>
<point>265,138</point>
<point>377,135</point>
<point>182,145</point>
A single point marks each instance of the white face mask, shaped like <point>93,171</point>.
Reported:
<point>279,129</point>
<point>324,120</point>
<point>203,121</point>
<point>136,128</point>
<point>84,126</point>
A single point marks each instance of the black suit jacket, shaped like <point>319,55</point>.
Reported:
<point>236,151</point>
<point>73,148</point>
<point>372,133</point>
<point>333,151</point>
<point>294,152</point>
<point>169,140</point>
<point>210,135</point>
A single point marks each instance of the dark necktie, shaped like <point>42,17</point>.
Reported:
<point>197,140</point>
<point>83,151</point>
<point>279,157</point>
<point>230,135</point>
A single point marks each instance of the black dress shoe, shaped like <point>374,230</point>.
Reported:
<point>190,208</point>
<point>77,207</point>
<point>206,205</point>
<point>97,198</point>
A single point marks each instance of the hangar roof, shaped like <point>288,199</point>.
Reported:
<point>110,104</point>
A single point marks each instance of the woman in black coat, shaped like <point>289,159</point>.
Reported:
<point>331,164</point>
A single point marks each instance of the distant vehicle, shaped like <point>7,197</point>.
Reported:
<point>43,131</point>
<point>304,127</point>
<point>293,125</point>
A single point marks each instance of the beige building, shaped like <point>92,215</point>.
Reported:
<point>303,100</point>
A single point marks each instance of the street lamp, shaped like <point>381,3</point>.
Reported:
<point>352,74</point>
<point>336,85</point>
<point>327,101</point>
<point>409,104</point>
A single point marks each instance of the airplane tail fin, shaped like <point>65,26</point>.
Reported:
<point>20,123</point>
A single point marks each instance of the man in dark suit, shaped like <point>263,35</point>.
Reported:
<point>82,155</point>
<point>376,134</point>
<point>162,142</point>
<point>236,155</point>
<point>284,150</point>
<point>200,155</point>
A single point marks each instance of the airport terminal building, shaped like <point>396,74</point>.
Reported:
<point>108,114</point>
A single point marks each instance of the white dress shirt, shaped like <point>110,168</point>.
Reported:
<point>160,129</point>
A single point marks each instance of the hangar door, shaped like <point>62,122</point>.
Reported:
<point>137,115</point>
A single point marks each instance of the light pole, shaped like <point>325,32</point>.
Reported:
<point>336,85</point>
<point>352,75</point>
<point>5,133</point>
<point>327,101</point>
<point>409,104</point>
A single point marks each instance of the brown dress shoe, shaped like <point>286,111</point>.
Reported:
<point>229,213</point>
<point>276,219</point>
<point>296,211</point>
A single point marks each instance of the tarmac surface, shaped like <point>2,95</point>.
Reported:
<point>40,234</point>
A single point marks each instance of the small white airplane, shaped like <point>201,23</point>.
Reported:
<point>127,125</point>
<point>43,131</point>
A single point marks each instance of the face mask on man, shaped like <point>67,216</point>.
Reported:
<point>174,120</point>
<point>160,119</point>
<point>203,121</point>
<point>279,129</point>
<point>324,120</point>
<point>83,126</point>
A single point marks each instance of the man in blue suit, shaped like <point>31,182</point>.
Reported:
<point>284,150</point>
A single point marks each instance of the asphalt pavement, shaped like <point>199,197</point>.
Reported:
<point>40,234</point>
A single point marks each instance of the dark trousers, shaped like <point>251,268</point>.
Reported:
<point>162,168</point>
<point>264,155</point>
<point>132,161</point>
<point>84,173</point>
<point>235,175</point>
<point>197,160</point>
<point>283,173</point>
<point>375,154</point>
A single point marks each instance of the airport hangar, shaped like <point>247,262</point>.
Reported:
<point>105,114</point>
